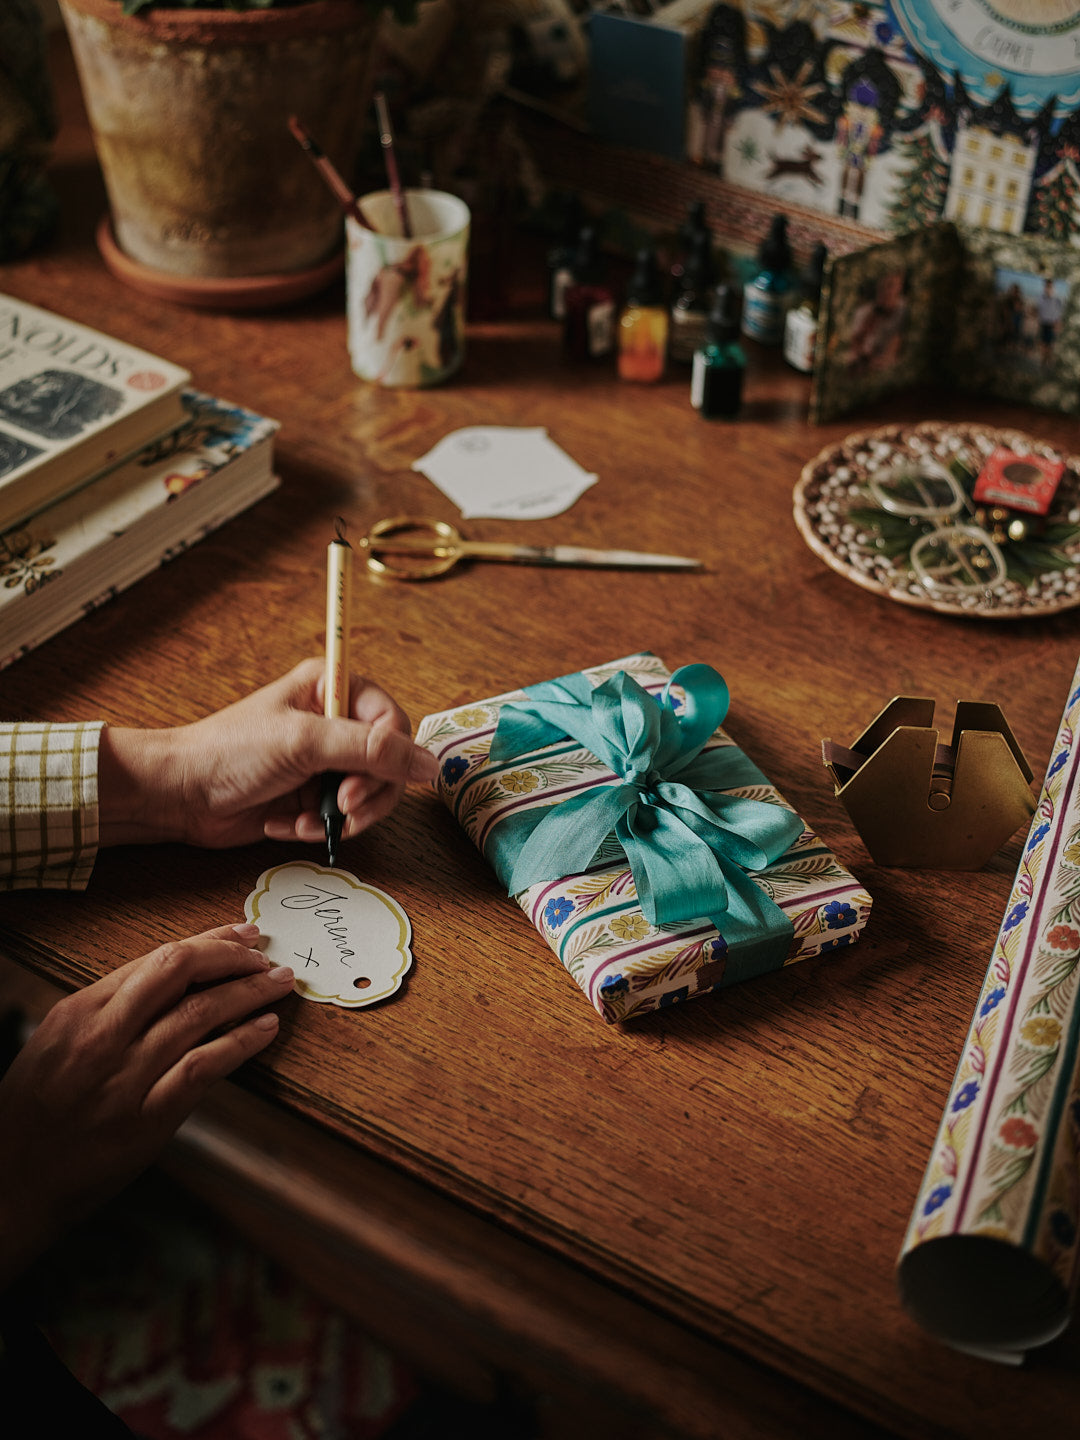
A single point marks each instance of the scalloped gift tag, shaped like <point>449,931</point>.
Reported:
<point>348,942</point>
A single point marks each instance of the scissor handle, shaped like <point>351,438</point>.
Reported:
<point>438,537</point>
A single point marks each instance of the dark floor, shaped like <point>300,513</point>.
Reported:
<point>151,1252</point>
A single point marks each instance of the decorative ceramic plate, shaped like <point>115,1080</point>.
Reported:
<point>835,513</point>
<point>977,39</point>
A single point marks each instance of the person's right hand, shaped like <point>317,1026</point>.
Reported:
<point>252,769</point>
<point>112,1071</point>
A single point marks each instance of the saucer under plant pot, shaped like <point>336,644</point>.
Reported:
<point>211,199</point>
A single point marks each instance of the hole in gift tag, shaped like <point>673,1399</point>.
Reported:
<point>339,935</point>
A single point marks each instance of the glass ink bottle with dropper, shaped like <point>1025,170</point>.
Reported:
<point>716,382</point>
<point>690,309</point>
<point>589,323</point>
<point>765,299</point>
<point>694,225</point>
<point>560,258</point>
<point>801,325</point>
<point>643,325</point>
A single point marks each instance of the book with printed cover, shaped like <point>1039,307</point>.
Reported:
<point>80,552</point>
<point>73,403</point>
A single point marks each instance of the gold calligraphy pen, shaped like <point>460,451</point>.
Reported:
<point>336,680</point>
<point>409,547</point>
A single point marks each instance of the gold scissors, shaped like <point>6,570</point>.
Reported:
<point>411,547</point>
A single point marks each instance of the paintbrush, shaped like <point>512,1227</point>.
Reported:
<point>345,197</point>
<point>386,136</point>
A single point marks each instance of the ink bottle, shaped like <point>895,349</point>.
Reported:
<point>560,259</point>
<point>716,382</point>
<point>766,296</point>
<point>690,310</point>
<point>589,322</point>
<point>643,325</point>
<point>694,225</point>
<point>801,325</point>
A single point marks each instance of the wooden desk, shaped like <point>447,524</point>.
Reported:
<point>685,1226</point>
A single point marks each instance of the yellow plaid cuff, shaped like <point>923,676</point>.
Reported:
<point>48,805</point>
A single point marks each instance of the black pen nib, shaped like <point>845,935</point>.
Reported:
<point>333,837</point>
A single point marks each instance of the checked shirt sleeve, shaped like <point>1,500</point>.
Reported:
<point>48,805</point>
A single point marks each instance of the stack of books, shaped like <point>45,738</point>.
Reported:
<point>110,464</point>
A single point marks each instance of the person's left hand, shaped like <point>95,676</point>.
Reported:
<point>252,769</point>
<point>111,1072</point>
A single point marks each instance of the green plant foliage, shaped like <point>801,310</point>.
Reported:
<point>894,535</point>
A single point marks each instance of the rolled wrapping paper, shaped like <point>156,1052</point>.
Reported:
<point>534,800</point>
<point>989,1261</point>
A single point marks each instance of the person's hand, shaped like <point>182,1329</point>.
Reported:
<point>252,769</point>
<point>111,1072</point>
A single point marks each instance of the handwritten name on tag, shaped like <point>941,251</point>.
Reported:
<point>348,942</point>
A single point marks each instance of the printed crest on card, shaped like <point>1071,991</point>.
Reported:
<point>348,942</point>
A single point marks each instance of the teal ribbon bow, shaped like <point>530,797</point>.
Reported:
<point>688,844</point>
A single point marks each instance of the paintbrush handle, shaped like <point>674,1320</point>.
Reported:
<point>345,197</point>
<point>386,138</point>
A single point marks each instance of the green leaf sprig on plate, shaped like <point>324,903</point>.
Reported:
<point>1033,549</point>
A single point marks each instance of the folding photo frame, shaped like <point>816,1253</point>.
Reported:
<point>972,310</point>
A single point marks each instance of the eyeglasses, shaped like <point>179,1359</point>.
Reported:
<point>954,555</point>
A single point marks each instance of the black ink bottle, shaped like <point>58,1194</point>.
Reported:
<point>560,258</point>
<point>694,225</point>
<point>589,323</point>
<point>690,311</point>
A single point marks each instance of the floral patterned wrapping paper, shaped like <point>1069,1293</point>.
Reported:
<point>625,965</point>
<point>1004,1166</point>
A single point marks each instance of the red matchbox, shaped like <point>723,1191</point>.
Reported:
<point>1019,482</point>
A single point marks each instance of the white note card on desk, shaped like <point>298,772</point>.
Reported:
<point>505,472</point>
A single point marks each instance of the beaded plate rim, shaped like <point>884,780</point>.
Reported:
<point>892,442</point>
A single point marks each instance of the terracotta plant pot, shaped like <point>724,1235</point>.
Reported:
<point>189,110</point>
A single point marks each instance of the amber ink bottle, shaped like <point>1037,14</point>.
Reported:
<point>643,325</point>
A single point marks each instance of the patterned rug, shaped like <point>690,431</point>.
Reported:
<point>188,1333</point>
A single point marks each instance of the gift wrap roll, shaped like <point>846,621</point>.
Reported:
<point>989,1261</point>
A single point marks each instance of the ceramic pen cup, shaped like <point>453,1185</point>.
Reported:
<point>406,298</point>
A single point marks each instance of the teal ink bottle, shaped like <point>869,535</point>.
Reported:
<point>716,382</point>
<point>589,322</point>
<point>766,297</point>
<point>690,308</point>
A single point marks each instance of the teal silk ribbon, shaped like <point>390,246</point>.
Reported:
<point>688,844</point>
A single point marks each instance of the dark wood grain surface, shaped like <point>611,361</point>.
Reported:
<point>742,1168</point>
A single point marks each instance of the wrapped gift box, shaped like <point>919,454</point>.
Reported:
<point>625,952</point>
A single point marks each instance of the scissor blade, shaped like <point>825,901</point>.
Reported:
<point>627,559</point>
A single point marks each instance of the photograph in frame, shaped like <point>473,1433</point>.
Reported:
<point>1017,323</point>
<point>880,319</point>
<point>971,310</point>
